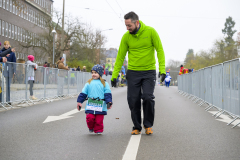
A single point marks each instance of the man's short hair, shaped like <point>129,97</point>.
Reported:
<point>60,58</point>
<point>131,15</point>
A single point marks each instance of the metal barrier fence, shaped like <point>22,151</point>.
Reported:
<point>49,83</point>
<point>217,86</point>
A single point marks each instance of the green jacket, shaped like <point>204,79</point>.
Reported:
<point>141,51</point>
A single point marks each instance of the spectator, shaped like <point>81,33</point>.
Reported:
<point>5,53</point>
<point>9,69</point>
<point>104,70</point>
<point>168,79</point>
<point>30,74</point>
<point>84,69</point>
<point>183,70</point>
<point>110,72</point>
<point>123,77</point>
<point>45,64</point>
<point>107,71</point>
<point>78,69</point>
<point>62,74</point>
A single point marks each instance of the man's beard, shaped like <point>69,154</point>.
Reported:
<point>134,31</point>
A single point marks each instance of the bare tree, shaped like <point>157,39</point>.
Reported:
<point>79,40</point>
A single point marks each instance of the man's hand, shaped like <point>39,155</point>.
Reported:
<point>4,59</point>
<point>163,76</point>
<point>79,106</point>
<point>7,55</point>
<point>114,82</point>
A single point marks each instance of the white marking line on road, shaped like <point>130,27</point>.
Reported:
<point>62,116</point>
<point>225,118</point>
<point>132,148</point>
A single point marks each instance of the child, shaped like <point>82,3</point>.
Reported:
<point>30,74</point>
<point>99,95</point>
<point>168,79</point>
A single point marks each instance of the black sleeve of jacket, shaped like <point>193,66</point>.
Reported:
<point>4,53</point>
<point>81,98</point>
<point>108,97</point>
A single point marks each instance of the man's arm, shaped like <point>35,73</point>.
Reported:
<point>123,48</point>
<point>160,53</point>
<point>4,53</point>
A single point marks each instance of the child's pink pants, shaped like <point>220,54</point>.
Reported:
<point>95,121</point>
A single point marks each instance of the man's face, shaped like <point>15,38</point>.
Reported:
<point>131,27</point>
<point>62,59</point>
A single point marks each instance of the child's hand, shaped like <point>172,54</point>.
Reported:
<point>109,105</point>
<point>79,106</point>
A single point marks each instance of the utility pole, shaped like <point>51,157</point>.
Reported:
<point>62,37</point>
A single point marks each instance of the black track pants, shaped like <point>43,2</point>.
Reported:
<point>141,85</point>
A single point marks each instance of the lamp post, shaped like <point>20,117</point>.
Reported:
<point>53,32</point>
<point>107,29</point>
<point>101,32</point>
<point>62,36</point>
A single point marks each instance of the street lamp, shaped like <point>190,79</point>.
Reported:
<point>107,29</point>
<point>100,32</point>
<point>53,32</point>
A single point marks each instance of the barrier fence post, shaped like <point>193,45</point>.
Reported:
<point>2,88</point>
<point>26,82</point>
<point>44,82</point>
<point>69,79</point>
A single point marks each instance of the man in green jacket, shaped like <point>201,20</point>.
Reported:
<point>140,41</point>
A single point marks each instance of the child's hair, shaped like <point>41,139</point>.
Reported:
<point>102,80</point>
<point>7,42</point>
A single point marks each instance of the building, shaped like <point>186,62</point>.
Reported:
<point>111,56</point>
<point>21,21</point>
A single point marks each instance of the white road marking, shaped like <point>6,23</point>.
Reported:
<point>62,116</point>
<point>225,118</point>
<point>132,148</point>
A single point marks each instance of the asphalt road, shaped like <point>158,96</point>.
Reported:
<point>182,131</point>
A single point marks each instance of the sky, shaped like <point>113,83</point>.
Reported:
<point>181,24</point>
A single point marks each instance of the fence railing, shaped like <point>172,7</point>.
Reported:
<point>217,86</point>
<point>49,83</point>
